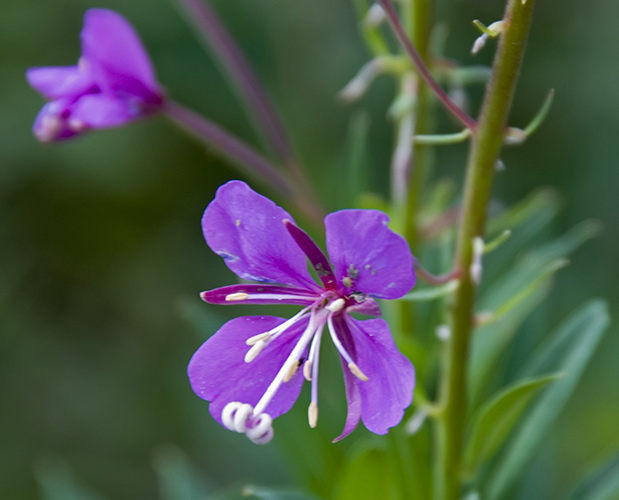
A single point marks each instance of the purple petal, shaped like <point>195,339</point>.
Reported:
<point>389,390</point>
<point>116,56</point>
<point>258,294</point>
<point>101,111</point>
<point>60,81</point>
<point>248,231</point>
<point>219,374</point>
<point>353,399</point>
<point>366,306</point>
<point>368,257</point>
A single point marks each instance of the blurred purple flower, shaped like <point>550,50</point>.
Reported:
<point>112,84</point>
<point>253,368</point>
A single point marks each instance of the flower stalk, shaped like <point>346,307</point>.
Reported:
<point>240,73</point>
<point>421,67</point>
<point>486,145</point>
<point>242,155</point>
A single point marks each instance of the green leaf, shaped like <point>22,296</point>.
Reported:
<point>490,340</point>
<point>261,493</point>
<point>57,481</point>
<point>513,296</point>
<point>569,350</point>
<point>177,478</point>
<point>387,474</point>
<point>496,419</point>
<point>602,484</point>
<point>432,293</point>
<point>370,475</point>
<point>532,213</point>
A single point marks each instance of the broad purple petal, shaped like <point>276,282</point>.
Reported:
<point>248,231</point>
<point>116,56</point>
<point>258,294</point>
<point>101,111</point>
<point>219,374</point>
<point>389,390</point>
<point>60,81</point>
<point>368,257</point>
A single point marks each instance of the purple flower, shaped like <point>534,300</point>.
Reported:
<point>112,84</point>
<point>253,368</point>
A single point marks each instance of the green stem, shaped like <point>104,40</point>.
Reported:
<point>417,16</point>
<point>485,148</point>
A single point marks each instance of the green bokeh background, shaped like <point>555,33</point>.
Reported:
<point>102,257</point>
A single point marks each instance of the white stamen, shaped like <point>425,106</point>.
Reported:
<point>336,305</point>
<point>278,330</point>
<point>264,439</point>
<point>356,371</point>
<point>307,370</point>
<point>227,415</point>
<point>476,267</point>
<point>314,322</point>
<point>257,338</point>
<point>275,332</point>
<point>261,429</point>
<point>337,342</point>
<point>234,297</point>
<point>443,332</point>
<point>312,414</point>
<point>254,351</point>
<point>241,415</point>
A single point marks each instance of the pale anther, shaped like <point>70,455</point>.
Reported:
<point>307,370</point>
<point>257,338</point>
<point>356,371</point>
<point>293,369</point>
<point>234,297</point>
<point>336,305</point>
<point>312,414</point>
<point>254,351</point>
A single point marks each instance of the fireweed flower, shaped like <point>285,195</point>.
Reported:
<point>112,84</point>
<point>253,368</point>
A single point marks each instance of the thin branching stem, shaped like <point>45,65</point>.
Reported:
<point>421,67</point>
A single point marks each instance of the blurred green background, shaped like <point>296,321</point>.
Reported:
<point>102,256</point>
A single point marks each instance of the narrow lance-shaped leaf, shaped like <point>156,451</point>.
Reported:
<point>177,478</point>
<point>570,350</point>
<point>369,476</point>
<point>496,419</point>
<point>602,484</point>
